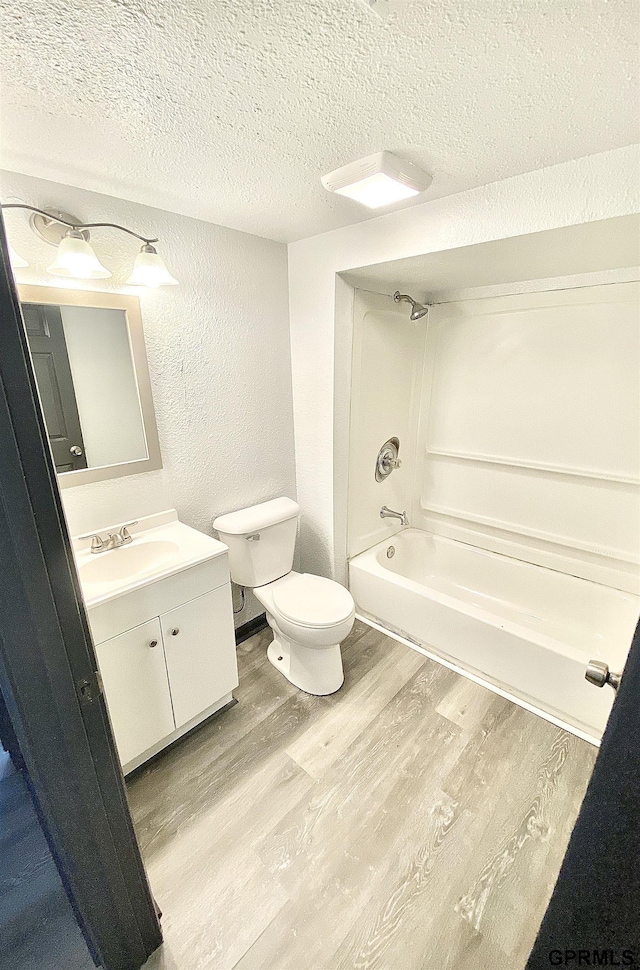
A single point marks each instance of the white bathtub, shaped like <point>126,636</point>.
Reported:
<point>527,630</point>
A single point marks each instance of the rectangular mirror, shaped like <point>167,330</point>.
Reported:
<point>91,369</point>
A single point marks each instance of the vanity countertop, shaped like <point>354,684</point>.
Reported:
<point>161,546</point>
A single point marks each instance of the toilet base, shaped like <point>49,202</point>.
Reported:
<point>313,670</point>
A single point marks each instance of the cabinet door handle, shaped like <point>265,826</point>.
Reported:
<point>153,643</point>
<point>175,631</point>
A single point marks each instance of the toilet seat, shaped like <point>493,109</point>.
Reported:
<point>312,601</point>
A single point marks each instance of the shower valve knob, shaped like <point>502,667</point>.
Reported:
<point>387,459</point>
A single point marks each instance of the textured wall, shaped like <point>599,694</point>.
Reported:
<point>219,358</point>
<point>589,189</point>
<point>232,110</point>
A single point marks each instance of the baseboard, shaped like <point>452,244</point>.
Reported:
<point>252,626</point>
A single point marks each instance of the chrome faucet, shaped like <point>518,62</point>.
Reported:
<point>113,540</point>
<point>386,513</point>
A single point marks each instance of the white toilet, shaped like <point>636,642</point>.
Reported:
<point>309,615</point>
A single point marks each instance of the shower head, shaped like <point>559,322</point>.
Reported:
<point>417,309</point>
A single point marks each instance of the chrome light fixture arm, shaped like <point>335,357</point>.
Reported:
<point>78,226</point>
<point>75,258</point>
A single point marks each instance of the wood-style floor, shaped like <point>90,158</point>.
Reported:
<point>412,820</point>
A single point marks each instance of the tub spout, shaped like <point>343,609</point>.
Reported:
<point>386,513</point>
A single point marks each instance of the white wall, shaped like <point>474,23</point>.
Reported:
<point>581,191</point>
<point>388,352</point>
<point>105,385</point>
<point>529,439</point>
<point>219,359</point>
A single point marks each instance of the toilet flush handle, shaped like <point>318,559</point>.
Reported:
<point>254,538</point>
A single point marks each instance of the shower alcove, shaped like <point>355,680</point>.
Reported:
<point>515,402</point>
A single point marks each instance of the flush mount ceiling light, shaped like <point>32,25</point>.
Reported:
<point>377,180</point>
<point>76,259</point>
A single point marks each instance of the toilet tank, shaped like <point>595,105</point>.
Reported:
<point>261,541</point>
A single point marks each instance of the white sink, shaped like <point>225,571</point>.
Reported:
<point>161,546</point>
<point>127,562</point>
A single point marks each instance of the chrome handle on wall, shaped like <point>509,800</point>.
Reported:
<point>387,459</point>
<point>175,631</point>
<point>598,674</point>
<point>153,643</point>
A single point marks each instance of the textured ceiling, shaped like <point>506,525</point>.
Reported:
<point>231,110</point>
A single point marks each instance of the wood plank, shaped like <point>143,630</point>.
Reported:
<point>465,703</point>
<point>420,827</point>
<point>332,855</point>
<point>523,835</point>
<point>330,735</point>
<point>214,913</point>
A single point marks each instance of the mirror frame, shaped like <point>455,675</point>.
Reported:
<point>60,296</point>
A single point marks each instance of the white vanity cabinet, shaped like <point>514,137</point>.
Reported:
<point>134,675</point>
<point>200,666</point>
<point>167,657</point>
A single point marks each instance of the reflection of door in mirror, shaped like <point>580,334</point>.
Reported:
<point>91,368</point>
<point>85,374</point>
<point>48,347</point>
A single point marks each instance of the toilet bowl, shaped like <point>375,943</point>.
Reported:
<point>309,615</point>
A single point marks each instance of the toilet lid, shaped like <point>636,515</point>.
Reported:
<point>313,601</point>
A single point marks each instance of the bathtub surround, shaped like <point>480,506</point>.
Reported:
<point>519,424</point>
<point>573,194</point>
<point>219,358</point>
<point>529,440</point>
<point>520,439</point>
<point>388,354</point>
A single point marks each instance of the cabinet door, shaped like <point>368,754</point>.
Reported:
<point>135,682</point>
<point>200,648</point>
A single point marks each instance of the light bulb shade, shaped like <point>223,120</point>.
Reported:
<point>149,270</point>
<point>16,260</point>
<point>76,259</point>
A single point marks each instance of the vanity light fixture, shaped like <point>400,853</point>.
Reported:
<point>377,180</point>
<point>76,259</point>
<point>149,269</point>
<point>16,260</point>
